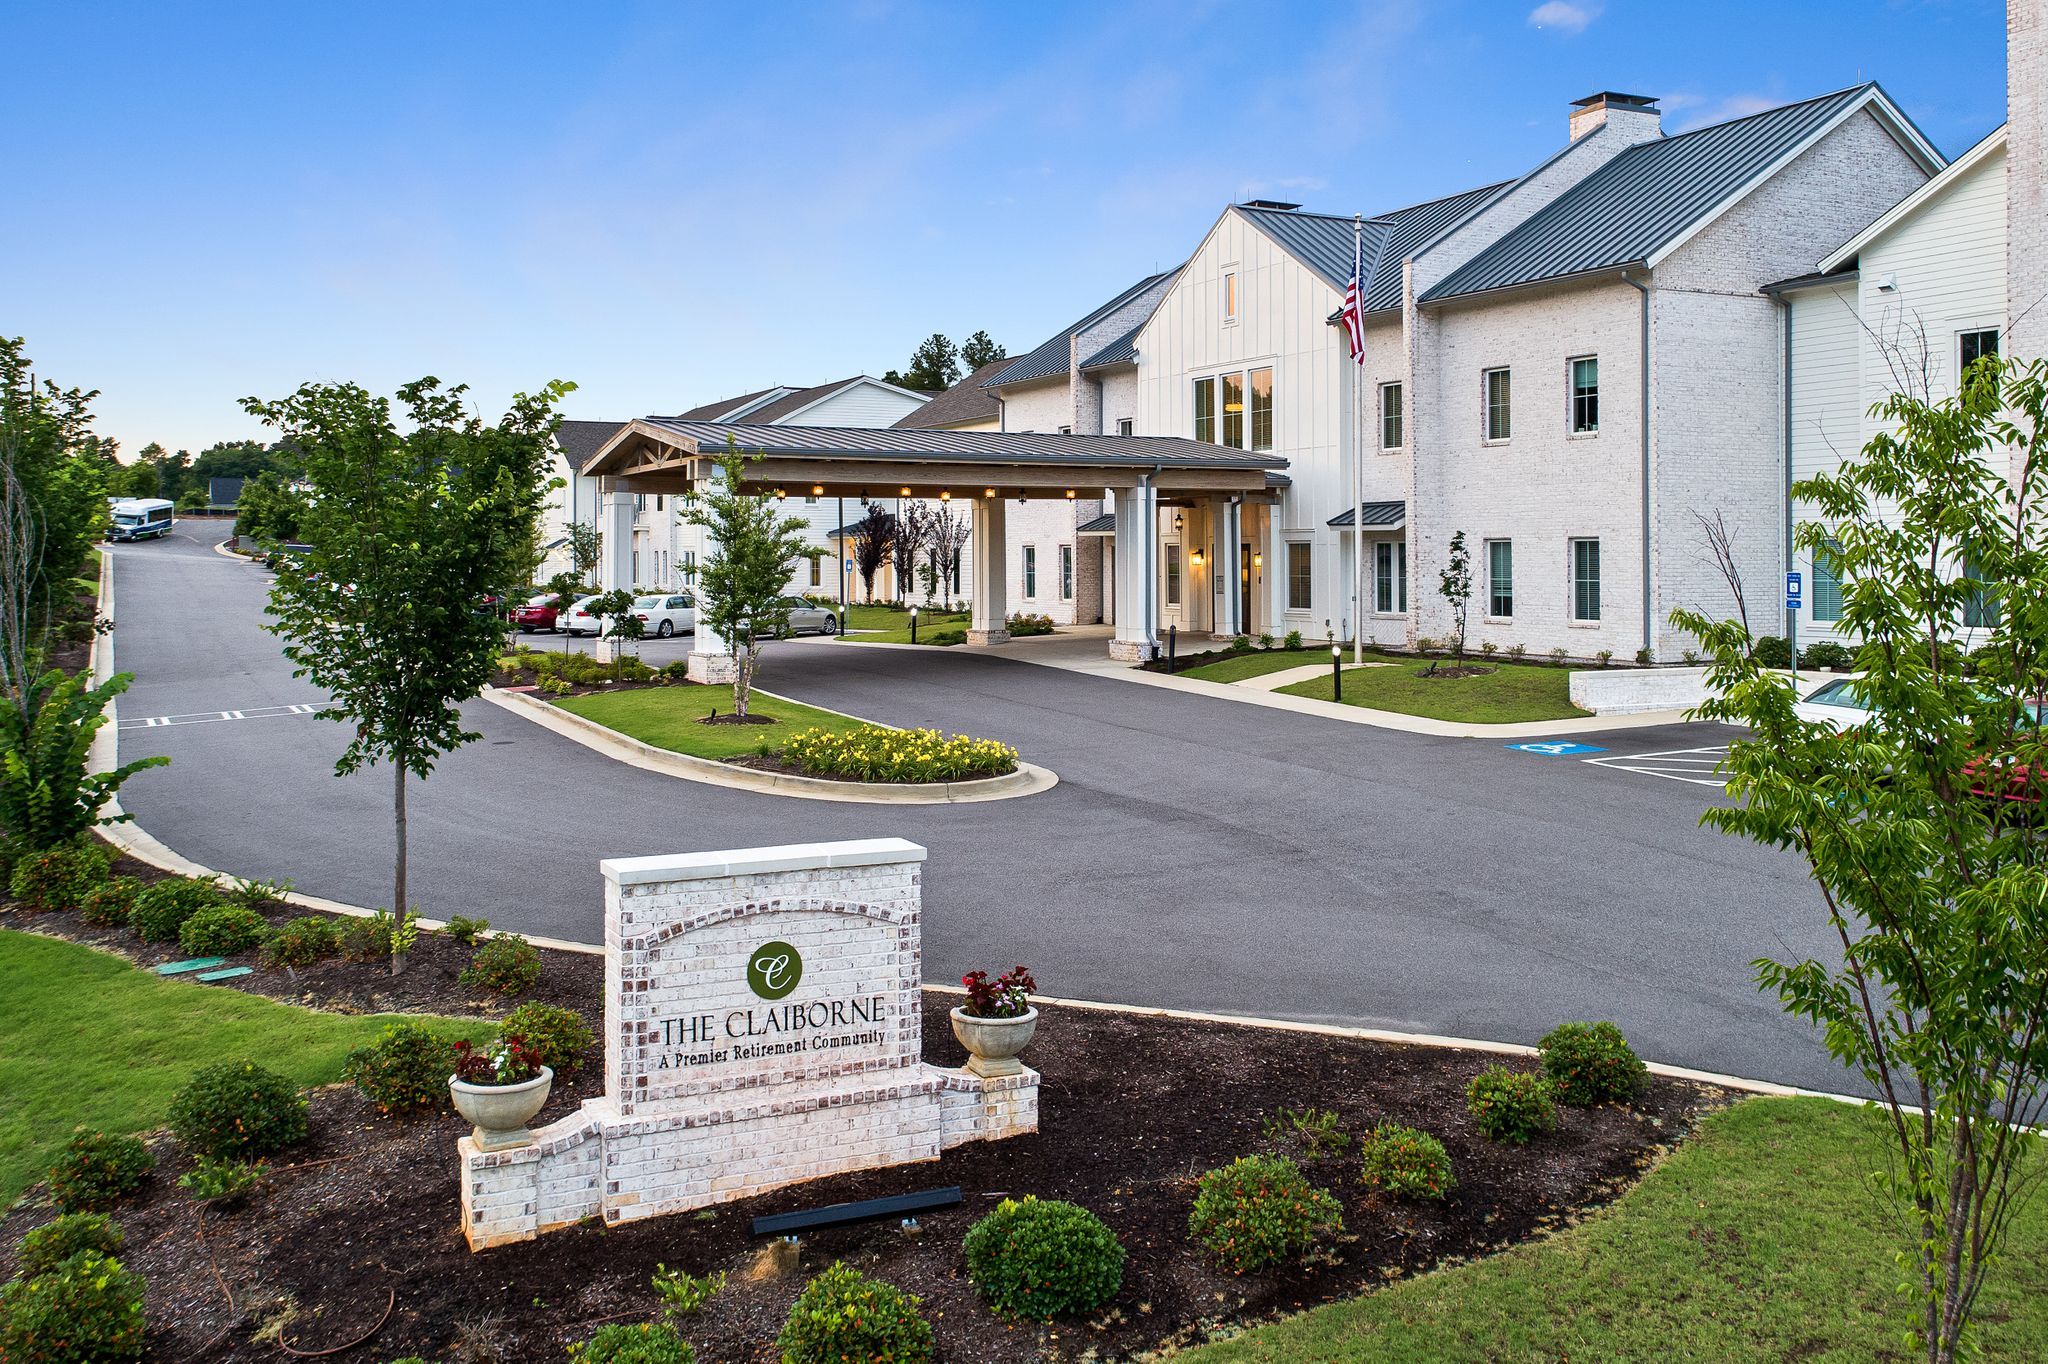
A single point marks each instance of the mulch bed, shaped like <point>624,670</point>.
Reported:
<point>1134,1108</point>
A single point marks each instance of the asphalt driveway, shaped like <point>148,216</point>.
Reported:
<point>1197,853</point>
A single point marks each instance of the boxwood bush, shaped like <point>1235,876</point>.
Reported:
<point>110,902</point>
<point>558,1034</point>
<point>96,1169</point>
<point>404,1070</point>
<point>645,1342</point>
<point>222,931</point>
<point>59,877</point>
<point>1590,1063</point>
<point>86,1310</point>
<point>878,753</point>
<point>51,1244</point>
<point>844,1315</point>
<point>238,1110</point>
<point>1261,1211</point>
<point>507,965</point>
<point>302,941</point>
<point>161,910</point>
<point>1405,1163</point>
<point>1510,1105</point>
<point>1042,1258</point>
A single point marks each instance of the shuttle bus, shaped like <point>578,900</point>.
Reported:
<point>140,518</point>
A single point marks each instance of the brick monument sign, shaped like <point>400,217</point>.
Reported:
<point>762,1027</point>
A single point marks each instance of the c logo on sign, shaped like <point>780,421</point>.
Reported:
<point>774,970</point>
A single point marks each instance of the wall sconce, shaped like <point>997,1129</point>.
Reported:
<point>1196,558</point>
<point>779,494</point>
<point>1258,561</point>
<point>1070,494</point>
<point>988,492</point>
<point>1176,521</point>
<point>945,495</point>
<point>817,490</point>
<point>903,492</point>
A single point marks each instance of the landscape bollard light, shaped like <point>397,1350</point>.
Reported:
<point>1337,671</point>
<point>1172,647</point>
<point>913,625</point>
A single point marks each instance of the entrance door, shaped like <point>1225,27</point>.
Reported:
<point>1244,587</point>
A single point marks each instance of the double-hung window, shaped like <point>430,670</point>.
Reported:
<point>1260,382</point>
<point>1585,580</point>
<point>1066,572</point>
<point>1030,572</point>
<point>1390,417</point>
<point>1233,410</point>
<point>1390,577</point>
<point>1499,405</point>
<point>1827,586</point>
<point>1500,578</point>
<point>1585,395</point>
<point>1205,409</point>
<point>1980,609</point>
<point>1974,346</point>
<point>1300,575</point>
<point>817,570</point>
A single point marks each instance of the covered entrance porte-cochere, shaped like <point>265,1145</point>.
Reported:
<point>1144,477</point>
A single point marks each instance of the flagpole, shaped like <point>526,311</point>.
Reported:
<point>1358,449</point>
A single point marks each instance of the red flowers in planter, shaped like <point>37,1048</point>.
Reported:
<point>1007,996</point>
<point>509,1061</point>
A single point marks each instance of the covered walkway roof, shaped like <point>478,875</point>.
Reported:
<point>670,454</point>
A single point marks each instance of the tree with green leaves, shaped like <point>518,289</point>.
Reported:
<point>134,480</point>
<point>410,525</point>
<point>586,544</point>
<point>934,365</point>
<point>980,349</point>
<point>48,795</point>
<point>1454,584</point>
<point>741,582</point>
<point>1923,826</point>
<point>268,512</point>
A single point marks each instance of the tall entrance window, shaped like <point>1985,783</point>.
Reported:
<point>1390,577</point>
<point>1585,580</point>
<point>1066,572</point>
<point>1173,575</point>
<point>1030,572</point>
<point>1500,578</point>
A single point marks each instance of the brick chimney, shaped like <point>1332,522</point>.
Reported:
<point>2026,177</point>
<point>1634,116</point>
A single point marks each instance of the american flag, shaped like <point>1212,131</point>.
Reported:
<point>1354,293</point>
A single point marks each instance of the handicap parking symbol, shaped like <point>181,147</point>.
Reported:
<point>1556,749</point>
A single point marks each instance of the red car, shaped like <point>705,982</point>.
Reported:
<point>538,614</point>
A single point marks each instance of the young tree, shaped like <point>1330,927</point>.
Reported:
<point>410,526</point>
<point>586,544</point>
<point>1923,828</point>
<point>740,585</point>
<point>948,535</point>
<point>1454,583</point>
<point>871,536</point>
<point>269,513</point>
<point>913,524</point>
<point>980,349</point>
<point>615,610</point>
<point>934,365</point>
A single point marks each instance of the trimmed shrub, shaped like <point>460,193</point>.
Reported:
<point>222,931</point>
<point>1590,1063</point>
<point>212,1180</point>
<point>645,1342</point>
<point>1260,1211</point>
<point>301,942</point>
<point>405,1069</point>
<point>507,965</point>
<point>1510,1105</point>
<point>51,1244</point>
<point>1405,1163</point>
<point>1042,1258</point>
<point>844,1315</point>
<point>238,1110</point>
<point>878,753</point>
<point>1825,654</point>
<point>161,910</point>
<point>96,1170</point>
<point>87,1309</point>
<point>465,930</point>
<point>1291,640</point>
<point>558,1034</point>
<point>59,877</point>
<point>1772,651</point>
<point>366,939</point>
<point>1025,623</point>
<point>110,902</point>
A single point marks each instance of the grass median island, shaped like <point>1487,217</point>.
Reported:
<point>891,625</point>
<point>671,718</point>
<point>1759,1239</point>
<point>86,1039</point>
<point>1510,693</point>
<point>1260,662</point>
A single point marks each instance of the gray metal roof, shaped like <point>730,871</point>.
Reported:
<point>1052,356</point>
<point>1104,524</point>
<point>1122,351</point>
<point>1378,515</point>
<point>1643,198</point>
<point>713,411</point>
<point>992,447</point>
<point>1323,241</point>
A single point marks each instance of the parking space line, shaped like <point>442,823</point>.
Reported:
<point>1698,766</point>
<point>215,717</point>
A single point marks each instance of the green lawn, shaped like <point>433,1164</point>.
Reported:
<point>1259,662</point>
<point>667,718</point>
<point>1512,692</point>
<point>887,625</point>
<point>88,1039</point>
<point>1759,1240</point>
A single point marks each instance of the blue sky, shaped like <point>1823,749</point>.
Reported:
<point>669,203</point>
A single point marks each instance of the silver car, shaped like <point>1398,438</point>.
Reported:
<point>807,618</point>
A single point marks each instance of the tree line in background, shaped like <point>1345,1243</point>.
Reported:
<point>937,364</point>
<point>186,479</point>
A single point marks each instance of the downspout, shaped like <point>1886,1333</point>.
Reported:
<point>1791,613</point>
<point>1649,610</point>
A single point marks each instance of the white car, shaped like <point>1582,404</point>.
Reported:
<point>578,620</point>
<point>666,613</point>
<point>803,616</point>
<point>1835,703</point>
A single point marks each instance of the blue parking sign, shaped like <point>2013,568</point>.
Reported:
<point>1795,588</point>
<point>1555,748</point>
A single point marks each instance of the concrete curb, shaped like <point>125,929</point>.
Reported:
<point>1029,778</point>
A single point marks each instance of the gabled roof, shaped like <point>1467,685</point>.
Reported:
<point>578,441</point>
<point>1323,241</point>
<point>1052,356</point>
<point>796,400</point>
<point>729,407</point>
<point>1654,195</point>
<point>966,401</point>
<point>1933,189</point>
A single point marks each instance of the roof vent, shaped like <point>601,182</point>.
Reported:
<point>1638,112</point>
<point>1277,205</point>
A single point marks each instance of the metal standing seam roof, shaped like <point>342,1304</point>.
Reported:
<point>1104,524</point>
<point>1643,198</point>
<point>1322,241</point>
<point>1122,351</point>
<point>1378,515</point>
<point>1053,355</point>
<point>991,447</point>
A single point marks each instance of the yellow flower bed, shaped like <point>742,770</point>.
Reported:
<point>877,753</point>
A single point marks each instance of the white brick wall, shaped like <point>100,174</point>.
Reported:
<point>2026,102</point>
<point>714,1092</point>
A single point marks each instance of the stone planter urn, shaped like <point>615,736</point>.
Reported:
<point>500,1112</point>
<point>993,1044</point>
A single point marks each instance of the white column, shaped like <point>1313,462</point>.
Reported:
<point>710,653</point>
<point>615,524</point>
<point>988,621</point>
<point>1136,608</point>
<point>1222,584</point>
